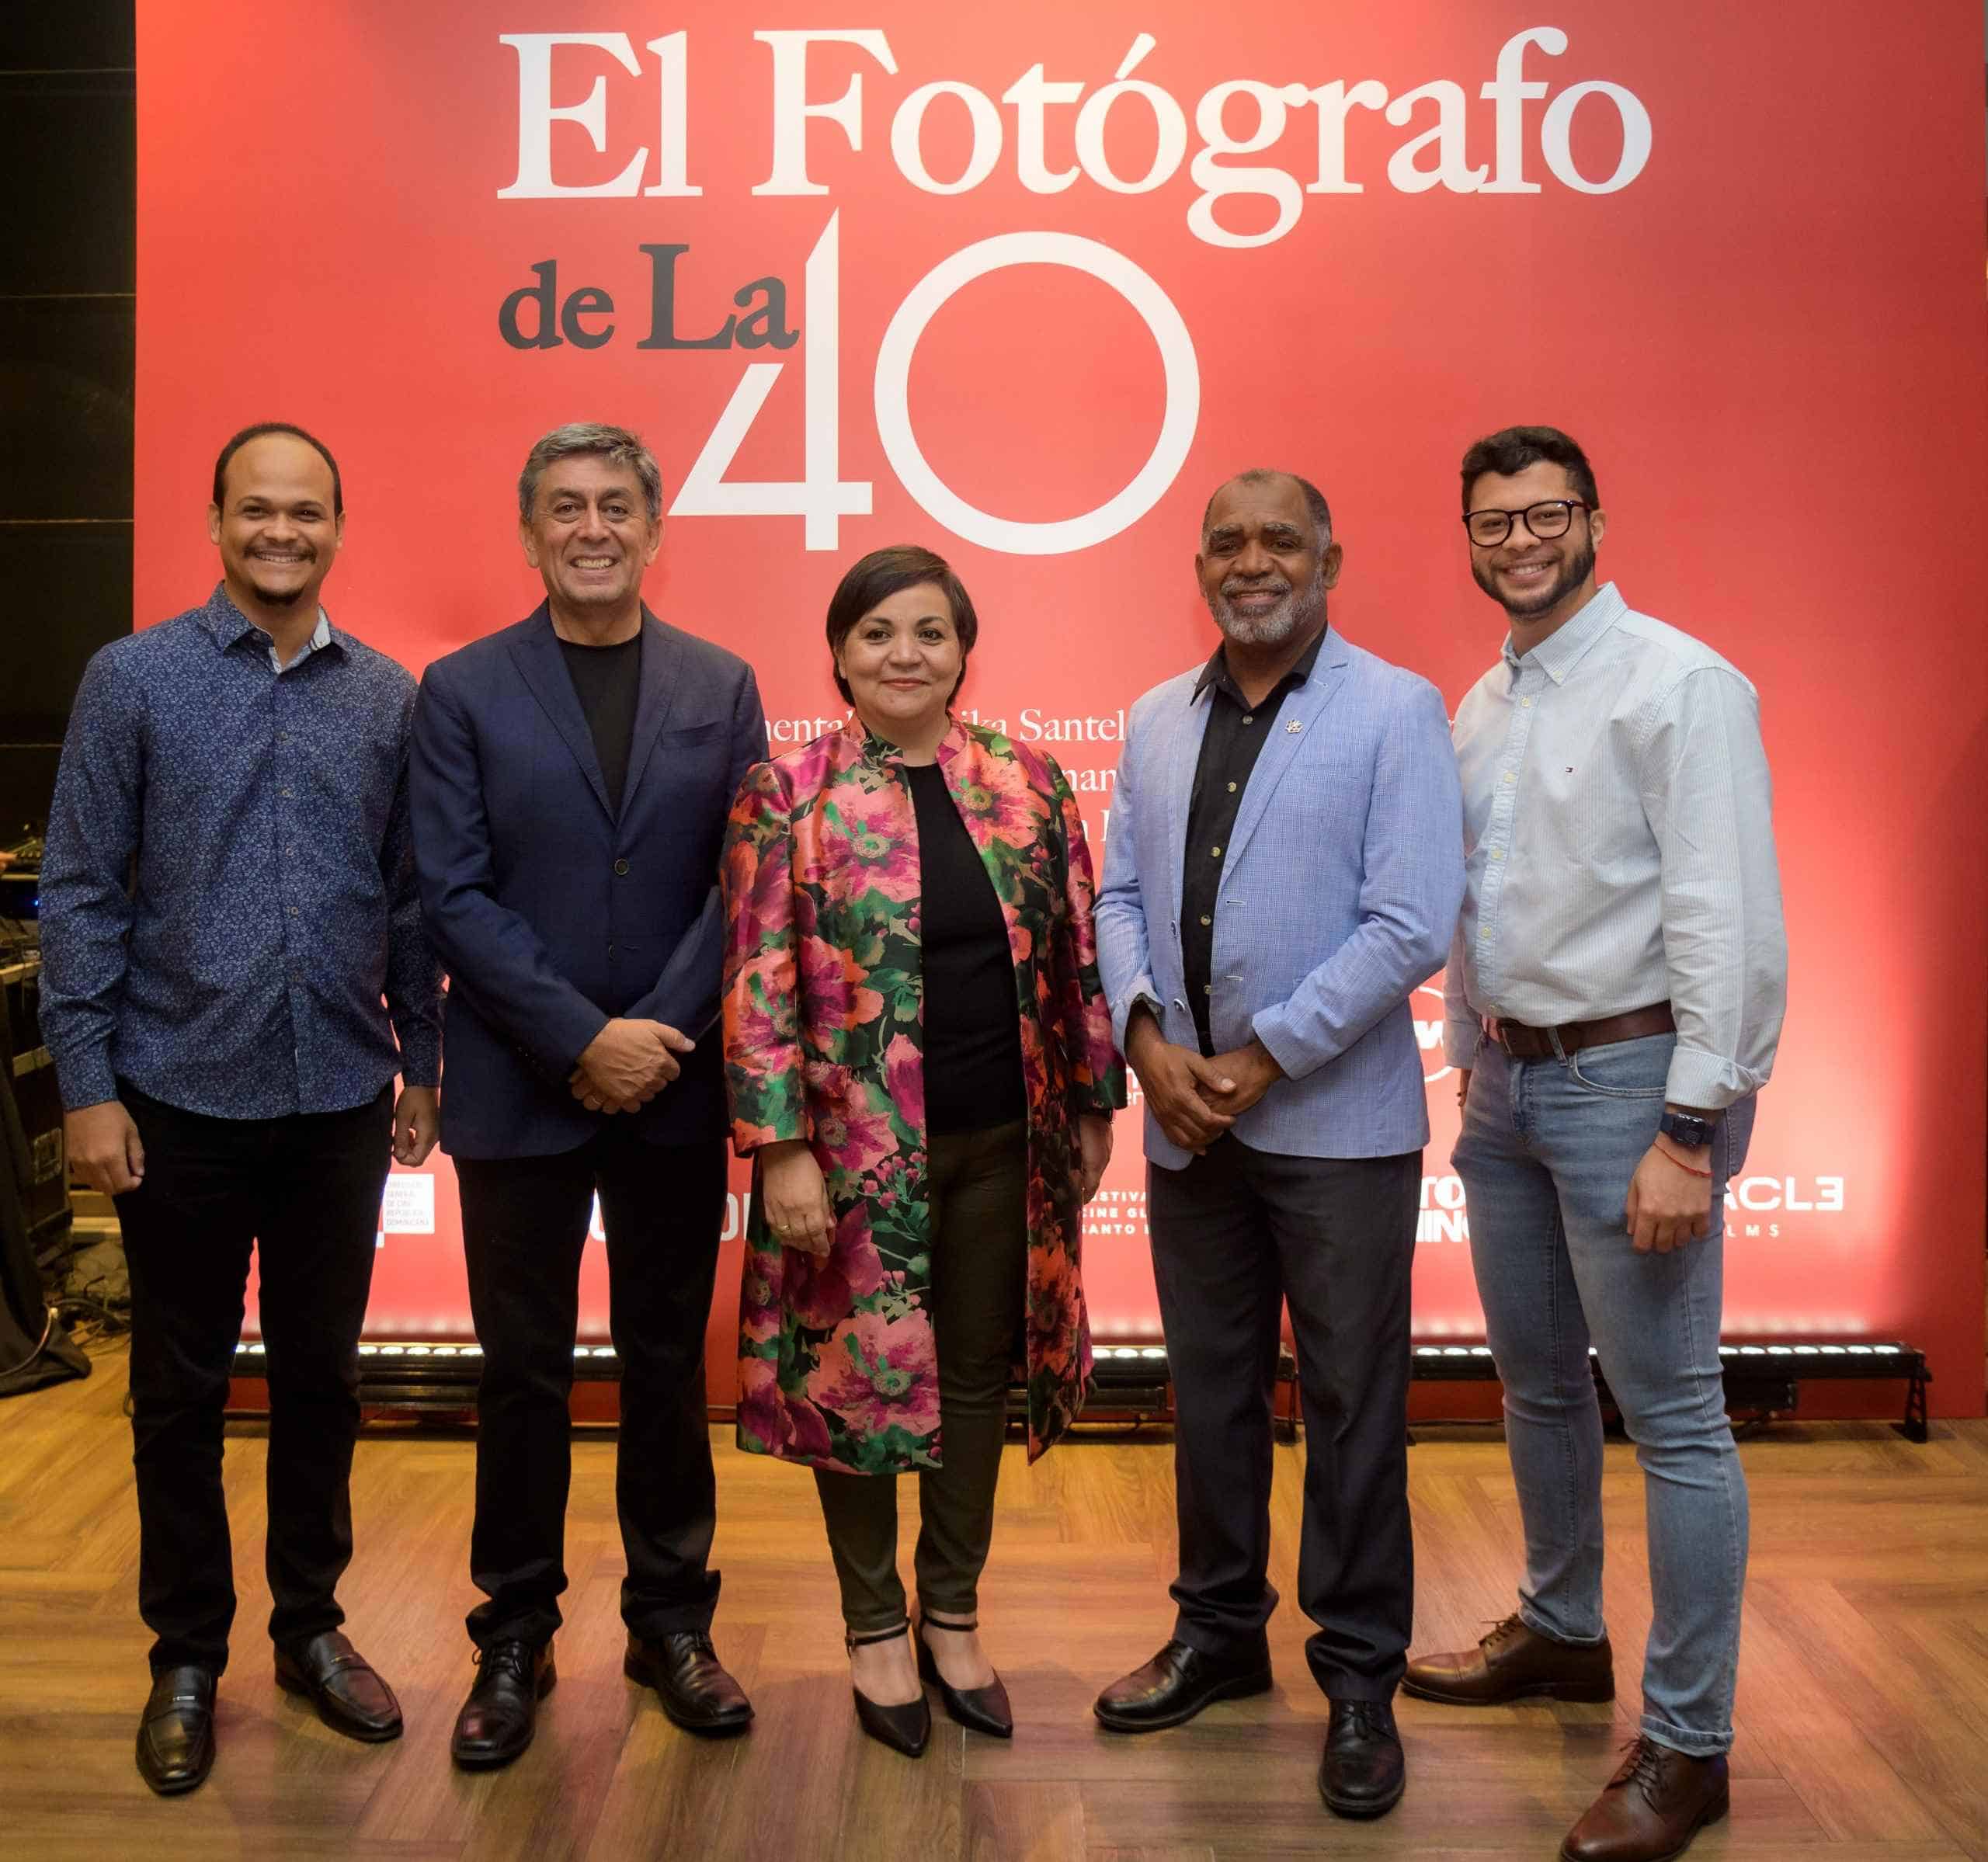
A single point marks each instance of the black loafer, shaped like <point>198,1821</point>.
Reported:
<point>1361,1771</point>
<point>176,1734</point>
<point>979,1709</point>
<point>498,1718</point>
<point>690,1682</point>
<point>350,1697</point>
<point>1178,1682</point>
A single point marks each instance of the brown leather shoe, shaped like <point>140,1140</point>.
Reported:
<point>350,1698</point>
<point>1652,1808</point>
<point>1515,1663</point>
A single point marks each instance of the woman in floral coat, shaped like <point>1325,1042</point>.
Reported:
<point>921,1066</point>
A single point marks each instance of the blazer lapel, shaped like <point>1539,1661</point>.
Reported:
<point>1296,722</point>
<point>543,667</point>
<point>660,653</point>
<point>1177,784</point>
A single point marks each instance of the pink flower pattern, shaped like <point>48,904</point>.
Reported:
<point>824,1041</point>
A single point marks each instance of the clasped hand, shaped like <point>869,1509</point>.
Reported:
<point>1196,1098</point>
<point>627,1064</point>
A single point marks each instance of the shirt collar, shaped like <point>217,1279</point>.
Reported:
<point>1562,650</point>
<point>1216,671</point>
<point>228,624</point>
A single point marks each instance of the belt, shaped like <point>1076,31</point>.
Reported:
<point>1524,1044</point>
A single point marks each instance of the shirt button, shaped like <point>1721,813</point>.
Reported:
<point>1208,988</point>
<point>1206,919</point>
<point>1497,852</point>
<point>1214,854</point>
<point>1510,777</point>
<point>621,868</point>
<point>1527,703</point>
<point>293,911</point>
<point>1248,717</point>
<point>283,737</point>
<point>1232,788</point>
<point>282,791</point>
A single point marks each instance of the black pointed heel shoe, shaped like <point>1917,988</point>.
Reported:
<point>979,1709</point>
<point>905,1729</point>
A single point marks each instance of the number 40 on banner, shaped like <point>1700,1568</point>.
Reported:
<point>821,499</point>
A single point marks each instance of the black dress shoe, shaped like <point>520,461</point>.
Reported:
<point>176,1734</point>
<point>350,1697</point>
<point>497,1719</point>
<point>905,1729</point>
<point>690,1682</point>
<point>1362,1772</point>
<point>979,1709</point>
<point>1178,1682</point>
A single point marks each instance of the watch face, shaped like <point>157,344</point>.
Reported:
<point>1686,1129</point>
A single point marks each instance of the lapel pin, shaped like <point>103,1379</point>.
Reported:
<point>1292,728</point>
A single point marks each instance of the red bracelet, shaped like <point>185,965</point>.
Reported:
<point>1679,1163</point>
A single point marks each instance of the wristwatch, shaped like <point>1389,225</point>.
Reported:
<point>1689,1129</point>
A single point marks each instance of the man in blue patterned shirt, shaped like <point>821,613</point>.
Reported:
<point>232,941</point>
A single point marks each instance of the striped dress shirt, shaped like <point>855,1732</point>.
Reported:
<point>1618,827</point>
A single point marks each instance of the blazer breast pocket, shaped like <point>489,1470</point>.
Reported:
<point>691,763</point>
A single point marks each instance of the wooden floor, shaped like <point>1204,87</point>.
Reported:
<point>1863,1694</point>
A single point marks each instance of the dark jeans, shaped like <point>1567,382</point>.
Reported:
<point>978,1197</point>
<point>1236,1234</point>
<point>304,1192</point>
<point>524,1229</point>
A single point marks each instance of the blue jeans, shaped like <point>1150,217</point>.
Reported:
<point>1546,1154</point>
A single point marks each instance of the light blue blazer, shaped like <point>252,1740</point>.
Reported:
<point>1339,893</point>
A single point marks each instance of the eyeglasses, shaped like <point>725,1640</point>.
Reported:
<point>1545,520</point>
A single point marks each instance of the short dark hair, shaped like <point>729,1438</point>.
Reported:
<point>592,439</point>
<point>1512,449</point>
<point>884,573</point>
<point>1315,499</point>
<point>262,430</point>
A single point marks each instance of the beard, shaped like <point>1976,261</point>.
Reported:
<point>282,595</point>
<point>1293,614</point>
<point>1575,569</point>
<point>276,598</point>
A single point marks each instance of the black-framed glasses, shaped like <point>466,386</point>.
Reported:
<point>1547,520</point>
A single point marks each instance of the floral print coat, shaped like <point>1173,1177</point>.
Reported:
<point>824,1039</point>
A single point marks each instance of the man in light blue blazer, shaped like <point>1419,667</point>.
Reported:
<point>1285,865</point>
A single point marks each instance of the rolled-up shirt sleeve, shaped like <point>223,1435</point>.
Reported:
<point>1463,1031</point>
<point>1708,798</point>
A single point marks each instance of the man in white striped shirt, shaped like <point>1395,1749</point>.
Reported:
<point>1615,993</point>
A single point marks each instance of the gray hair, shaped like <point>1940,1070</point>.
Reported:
<point>591,438</point>
<point>1315,499</point>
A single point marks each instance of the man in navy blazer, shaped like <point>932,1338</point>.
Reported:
<point>571,776</point>
<point>1284,866</point>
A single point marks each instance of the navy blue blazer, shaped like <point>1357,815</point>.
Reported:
<point>553,913</point>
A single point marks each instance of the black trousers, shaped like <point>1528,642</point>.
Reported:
<point>1235,1236</point>
<point>303,1193</point>
<point>524,1229</point>
<point>977,1192</point>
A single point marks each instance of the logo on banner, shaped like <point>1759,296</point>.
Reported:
<point>1431,1018</point>
<point>407,1206</point>
<point>1237,125</point>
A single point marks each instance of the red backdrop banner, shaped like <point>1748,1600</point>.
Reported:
<point>1025,282</point>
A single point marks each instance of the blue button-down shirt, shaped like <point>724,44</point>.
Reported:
<point>1619,823</point>
<point>229,919</point>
